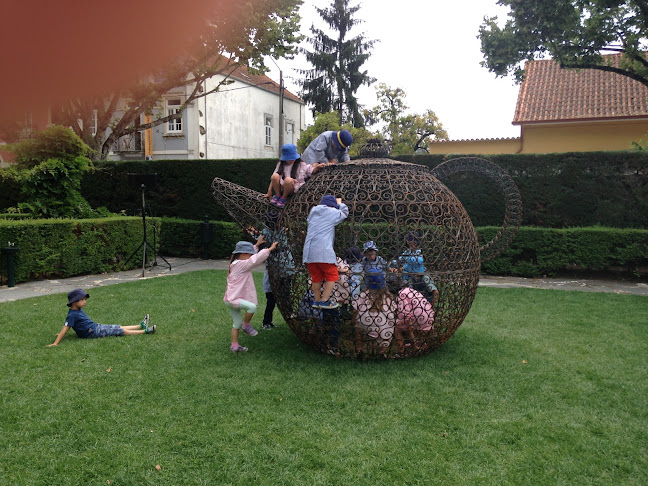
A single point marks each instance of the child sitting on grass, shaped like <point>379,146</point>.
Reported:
<point>87,328</point>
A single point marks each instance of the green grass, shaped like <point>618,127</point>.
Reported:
<point>536,387</point>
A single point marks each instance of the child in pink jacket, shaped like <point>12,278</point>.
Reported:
<point>240,295</point>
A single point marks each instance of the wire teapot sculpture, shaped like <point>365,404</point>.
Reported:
<point>407,295</point>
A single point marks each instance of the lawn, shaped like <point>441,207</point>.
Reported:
<point>536,387</point>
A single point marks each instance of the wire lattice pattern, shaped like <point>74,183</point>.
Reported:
<point>418,289</point>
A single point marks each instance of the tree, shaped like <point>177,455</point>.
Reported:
<point>407,133</point>
<point>242,34</point>
<point>573,32</point>
<point>336,75</point>
<point>52,165</point>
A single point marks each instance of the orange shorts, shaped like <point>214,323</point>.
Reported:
<point>323,272</point>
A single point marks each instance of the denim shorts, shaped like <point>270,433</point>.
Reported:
<point>105,330</point>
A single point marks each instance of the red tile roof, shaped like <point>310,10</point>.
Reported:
<point>550,94</point>
<point>264,82</point>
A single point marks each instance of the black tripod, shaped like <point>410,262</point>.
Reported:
<point>141,179</point>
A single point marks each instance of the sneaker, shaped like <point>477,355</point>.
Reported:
<point>238,349</point>
<point>316,304</point>
<point>268,326</point>
<point>280,203</point>
<point>249,330</point>
<point>151,330</point>
<point>274,199</point>
<point>329,304</point>
<point>144,324</point>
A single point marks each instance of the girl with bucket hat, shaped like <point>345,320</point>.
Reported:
<point>290,174</point>
<point>240,295</point>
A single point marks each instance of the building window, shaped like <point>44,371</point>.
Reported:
<point>172,107</point>
<point>290,132</point>
<point>268,129</point>
<point>93,123</point>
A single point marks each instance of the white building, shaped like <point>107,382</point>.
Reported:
<point>240,121</point>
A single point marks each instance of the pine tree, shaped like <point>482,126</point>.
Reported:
<point>336,76</point>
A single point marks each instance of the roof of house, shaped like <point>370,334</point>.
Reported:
<point>263,82</point>
<point>552,94</point>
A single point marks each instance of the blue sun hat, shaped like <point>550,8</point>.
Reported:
<point>369,245</point>
<point>330,201</point>
<point>76,295</point>
<point>244,247</point>
<point>374,279</point>
<point>342,139</point>
<point>289,152</point>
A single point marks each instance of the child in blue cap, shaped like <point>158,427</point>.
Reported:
<point>319,255</point>
<point>87,328</point>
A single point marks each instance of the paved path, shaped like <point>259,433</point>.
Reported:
<point>181,265</point>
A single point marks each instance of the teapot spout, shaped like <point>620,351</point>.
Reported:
<point>250,209</point>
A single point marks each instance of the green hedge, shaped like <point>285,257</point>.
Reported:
<point>184,238</point>
<point>537,252</point>
<point>183,188</point>
<point>558,190</point>
<point>64,248</point>
<point>58,248</point>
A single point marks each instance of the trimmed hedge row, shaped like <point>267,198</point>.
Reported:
<point>537,252</point>
<point>558,190</point>
<point>64,248</point>
<point>185,238</point>
<point>58,248</point>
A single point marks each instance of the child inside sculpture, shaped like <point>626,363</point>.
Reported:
<point>353,258</point>
<point>240,294</point>
<point>371,262</point>
<point>290,174</point>
<point>415,317</point>
<point>412,265</point>
<point>319,255</point>
<point>374,315</point>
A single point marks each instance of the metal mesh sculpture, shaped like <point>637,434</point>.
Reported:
<point>419,288</point>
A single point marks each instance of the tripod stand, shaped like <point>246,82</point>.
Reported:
<point>143,246</point>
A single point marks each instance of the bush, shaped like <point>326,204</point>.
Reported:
<point>184,238</point>
<point>58,248</point>
<point>537,252</point>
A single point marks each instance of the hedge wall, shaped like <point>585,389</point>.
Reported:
<point>64,248</point>
<point>537,252</point>
<point>558,190</point>
<point>58,248</point>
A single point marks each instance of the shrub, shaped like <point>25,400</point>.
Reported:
<point>57,248</point>
<point>537,252</point>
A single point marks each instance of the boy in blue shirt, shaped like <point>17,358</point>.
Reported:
<point>319,255</point>
<point>87,328</point>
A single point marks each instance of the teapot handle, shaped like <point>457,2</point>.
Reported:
<point>505,183</point>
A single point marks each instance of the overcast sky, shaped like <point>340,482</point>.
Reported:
<point>431,51</point>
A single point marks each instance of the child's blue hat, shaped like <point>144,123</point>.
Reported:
<point>369,245</point>
<point>375,281</point>
<point>244,247</point>
<point>289,152</point>
<point>76,295</point>
<point>342,139</point>
<point>330,201</point>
